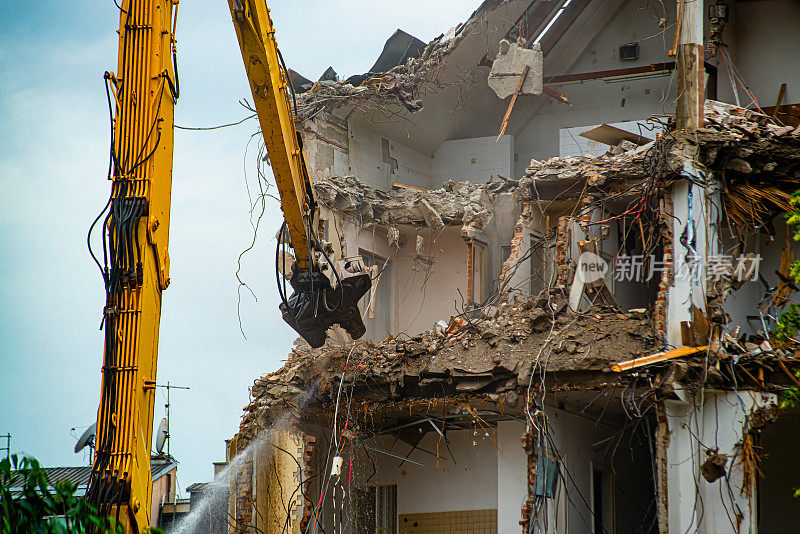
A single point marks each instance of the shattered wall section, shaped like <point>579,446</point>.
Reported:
<point>424,238</point>
<point>326,145</point>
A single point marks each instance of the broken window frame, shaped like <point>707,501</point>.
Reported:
<point>380,272</point>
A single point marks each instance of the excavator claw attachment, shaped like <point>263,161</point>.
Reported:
<point>316,305</point>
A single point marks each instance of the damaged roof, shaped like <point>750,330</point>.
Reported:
<point>405,70</point>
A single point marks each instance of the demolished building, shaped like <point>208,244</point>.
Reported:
<point>572,323</point>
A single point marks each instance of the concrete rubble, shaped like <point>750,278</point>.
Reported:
<point>457,203</point>
<point>401,84</point>
<point>509,66</point>
<point>485,357</point>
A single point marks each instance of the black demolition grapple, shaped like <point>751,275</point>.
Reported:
<point>316,305</point>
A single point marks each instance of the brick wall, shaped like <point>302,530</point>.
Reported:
<point>660,308</point>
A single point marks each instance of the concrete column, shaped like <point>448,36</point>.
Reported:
<point>690,66</point>
<point>715,421</point>
<point>695,240</point>
<point>279,503</point>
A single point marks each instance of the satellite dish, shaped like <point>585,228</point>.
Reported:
<point>86,439</point>
<point>161,436</point>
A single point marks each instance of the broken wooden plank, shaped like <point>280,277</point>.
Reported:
<point>788,373</point>
<point>657,357</point>
<point>781,94</point>
<point>507,116</point>
<point>396,185</point>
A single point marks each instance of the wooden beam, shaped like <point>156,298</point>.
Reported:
<point>657,357</point>
<point>643,70</point>
<point>504,124</point>
<point>781,93</point>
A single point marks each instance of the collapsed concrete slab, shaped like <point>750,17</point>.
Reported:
<point>517,70</point>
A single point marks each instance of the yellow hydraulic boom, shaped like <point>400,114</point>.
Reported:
<point>324,294</point>
<point>135,227</point>
<point>135,269</point>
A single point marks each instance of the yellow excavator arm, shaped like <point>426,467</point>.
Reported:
<point>325,294</point>
<point>134,223</point>
<point>134,262</point>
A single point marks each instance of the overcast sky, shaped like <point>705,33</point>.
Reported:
<point>53,161</point>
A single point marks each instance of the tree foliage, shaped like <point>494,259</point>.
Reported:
<point>789,321</point>
<point>36,508</point>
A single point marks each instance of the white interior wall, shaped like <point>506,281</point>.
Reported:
<point>714,420</point>
<point>574,436</point>
<point>485,476</point>
<point>638,292</point>
<point>427,294</point>
<point>600,101</point>
<point>367,161</point>
<point>474,160</point>
<point>750,35</point>
<point>422,294</point>
<point>512,475</point>
<point>469,483</point>
<point>764,61</point>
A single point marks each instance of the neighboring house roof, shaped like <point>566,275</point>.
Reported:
<point>80,475</point>
<point>197,486</point>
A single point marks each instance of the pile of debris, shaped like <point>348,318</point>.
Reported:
<point>497,353</point>
<point>402,83</point>
<point>758,160</point>
<point>457,203</point>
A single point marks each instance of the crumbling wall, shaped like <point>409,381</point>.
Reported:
<point>776,250</point>
<point>281,476</point>
<point>379,162</point>
<point>424,236</point>
<point>326,146</point>
<point>711,468</point>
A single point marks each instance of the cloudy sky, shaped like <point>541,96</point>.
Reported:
<point>53,162</point>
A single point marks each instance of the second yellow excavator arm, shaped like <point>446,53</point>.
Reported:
<point>319,301</point>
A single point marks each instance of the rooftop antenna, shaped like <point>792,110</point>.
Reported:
<point>168,387</point>
<point>87,439</point>
<point>7,448</point>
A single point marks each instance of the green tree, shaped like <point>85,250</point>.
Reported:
<point>35,508</point>
<point>789,321</point>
